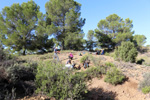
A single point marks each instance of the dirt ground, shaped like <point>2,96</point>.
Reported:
<point>101,90</point>
<point>126,91</point>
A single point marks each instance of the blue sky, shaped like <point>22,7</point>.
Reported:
<point>95,10</point>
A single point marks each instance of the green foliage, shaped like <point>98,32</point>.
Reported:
<point>20,72</point>
<point>114,76</point>
<point>65,23</point>
<point>126,52</point>
<point>107,54</point>
<point>55,81</point>
<point>16,76</point>
<point>90,73</point>
<point>109,64</point>
<point>140,40</point>
<point>111,54</point>
<point>84,58</point>
<point>145,84</point>
<point>90,35</point>
<point>146,89</point>
<point>74,41</point>
<point>17,23</point>
<point>93,72</point>
<point>113,30</point>
<point>4,55</point>
<point>23,28</point>
<point>90,42</point>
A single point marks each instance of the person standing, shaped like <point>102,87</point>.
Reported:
<point>55,54</point>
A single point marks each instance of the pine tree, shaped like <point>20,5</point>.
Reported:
<point>113,30</point>
<point>66,22</point>
<point>17,24</point>
<point>90,43</point>
<point>139,40</point>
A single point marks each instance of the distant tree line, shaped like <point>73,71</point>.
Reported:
<point>23,28</point>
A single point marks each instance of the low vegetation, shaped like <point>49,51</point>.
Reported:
<point>24,30</point>
<point>84,58</point>
<point>146,89</point>
<point>143,59</point>
<point>17,79</point>
<point>126,52</point>
<point>55,81</point>
<point>114,76</point>
<point>145,84</point>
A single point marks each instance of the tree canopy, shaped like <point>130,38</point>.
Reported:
<point>23,28</point>
<point>66,23</point>
<point>139,39</point>
<point>90,40</point>
<point>21,25</point>
<point>113,30</point>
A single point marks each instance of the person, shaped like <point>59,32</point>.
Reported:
<point>102,51</point>
<point>55,54</point>
<point>86,64</point>
<point>69,61</point>
<point>68,64</point>
<point>71,56</point>
<point>73,64</point>
<point>80,54</point>
<point>97,52</point>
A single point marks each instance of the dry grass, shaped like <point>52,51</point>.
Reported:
<point>145,58</point>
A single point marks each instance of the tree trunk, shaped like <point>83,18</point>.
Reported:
<point>63,45</point>
<point>24,52</point>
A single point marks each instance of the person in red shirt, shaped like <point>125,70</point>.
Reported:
<point>71,56</point>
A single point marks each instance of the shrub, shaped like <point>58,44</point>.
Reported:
<point>96,61</point>
<point>96,71</point>
<point>18,72</point>
<point>114,76</point>
<point>145,84</point>
<point>146,89</point>
<point>55,81</point>
<point>84,58</point>
<point>3,54</point>
<point>108,64</point>
<point>126,52</point>
<point>92,72</point>
<point>107,54</point>
<point>16,79</point>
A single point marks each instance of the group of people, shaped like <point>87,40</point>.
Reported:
<point>100,52</point>
<point>70,64</point>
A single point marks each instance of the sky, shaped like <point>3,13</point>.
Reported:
<point>95,10</point>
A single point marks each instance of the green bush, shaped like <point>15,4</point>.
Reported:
<point>3,54</point>
<point>126,52</point>
<point>84,58</point>
<point>145,84</point>
<point>16,78</point>
<point>93,72</point>
<point>54,80</point>
<point>107,54</point>
<point>114,76</point>
<point>146,89</point>
<point>108,64</point>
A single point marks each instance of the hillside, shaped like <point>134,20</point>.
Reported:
<point>100,90</point>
